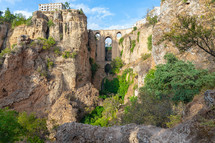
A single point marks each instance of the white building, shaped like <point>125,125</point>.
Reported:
<point>51,7</point>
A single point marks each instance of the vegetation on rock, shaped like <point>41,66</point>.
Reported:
<point>94,67</point>
<point>177,79</point>
<point>149,43</point>
<point>133,44</point>
<point>189,32</point>
<point>116,65</point>
<point>15,20</point>
<point>16,126</point>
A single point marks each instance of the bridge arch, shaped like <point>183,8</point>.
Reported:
<point>108,48</point>
<point>118,35</point>
<point>101,51</point>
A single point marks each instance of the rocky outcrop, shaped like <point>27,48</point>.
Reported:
<point>139,42</point>
<point>78,133</point>
<point>194,130</point>
<point>169,10</point>
<point>63,91</point>
<point>38,28</point>
<point>210,97</point>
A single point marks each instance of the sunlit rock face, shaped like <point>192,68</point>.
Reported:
<point>169,10</point>
<point>61,93</point>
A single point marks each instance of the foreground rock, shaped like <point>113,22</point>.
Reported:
<point>200,128</point>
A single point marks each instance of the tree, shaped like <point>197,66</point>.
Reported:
<point>189,31</point>
<point>147,110</point>
<point>178,80</point>
<point>10,129</point>
<point>116,64</point>
<point>66,5</point>
<point>16,126</point>
<point>8,16</point>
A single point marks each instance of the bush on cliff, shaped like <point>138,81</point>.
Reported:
<point>147,110</point>
<point>177,79</point>
<point>116,64</point>
<point>16,126</point>
<point>189,31</point>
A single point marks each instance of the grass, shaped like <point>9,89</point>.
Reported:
<point>133,44</point>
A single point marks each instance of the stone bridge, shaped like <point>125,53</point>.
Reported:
<point>101,36</point>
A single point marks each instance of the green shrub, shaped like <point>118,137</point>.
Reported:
<point>106,115</point>
<point>121,53</point>
<point>125,80</point>
<point>149,43</point>
<point>138,37</point>
<point>81,11</point>
<point>94,67</point>
<point>57,51</point>
<point>47,43</point>
<point>177,79</point>
<point>148,110</point>
<point>18,20</point>
<point>28,22</point>
<point>133,44</point>
<point>121,41</point>
<point>4,52</point>
<point>108,48</point>
<point>50,23</point>
<point>109,87</point>
<point>50,64</point>
<point>150,18</point>
<point>10,129</point>
<point>174,120</point>
<point>20,126</point>
<point>188,32</point>
<point>116,64</point>
<point>93,116</point>
<point>134,28</point>
<point>145,56</point>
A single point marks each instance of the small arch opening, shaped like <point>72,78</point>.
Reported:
<point>119,35</point>
<point>97,36</point>
<point>108,49</point>
<point>108,69</point>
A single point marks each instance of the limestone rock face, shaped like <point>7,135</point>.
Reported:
<point>21,86</point>
<point>78,133</point>
<point>37,29</point>
<point>62,93</point>
<point>169,10</point>
<point>3,33</point>
<point>140,47</point>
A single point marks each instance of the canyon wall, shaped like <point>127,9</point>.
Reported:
<point>61,91</point>
<point>169,10</point>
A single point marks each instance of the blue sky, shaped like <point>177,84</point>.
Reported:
<point>102,14</point>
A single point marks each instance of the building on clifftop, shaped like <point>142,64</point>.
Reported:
<point>51,7</point>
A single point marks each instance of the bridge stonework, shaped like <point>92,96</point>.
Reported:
<point>100,44</point>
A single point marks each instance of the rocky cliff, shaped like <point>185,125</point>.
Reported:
<point>134,44</point>
<point>40,80</point>
<point>169,10</point>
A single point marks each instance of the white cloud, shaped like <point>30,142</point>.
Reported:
<point>93,26</point>
<point>27,14</point>
<point>10,1</point>
<point>96,15</point>
<point>96,11</point>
